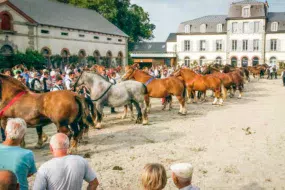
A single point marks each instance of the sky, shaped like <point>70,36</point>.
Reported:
<point>168,14</point>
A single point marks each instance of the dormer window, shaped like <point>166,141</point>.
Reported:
<point>274,27</point>
<point>246,11</point>
<point>203,28</point>
<point>219,28</point>
<point>187,28</point>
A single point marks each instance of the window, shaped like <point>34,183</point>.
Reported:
<point>202,61</point>
<point>187,28</point>
<point>187,61</point>
<point>255,45</point>
<point>255,61</point>
<point>187,45</point>
<point>256,27</point>
<point>244,61</point>
<point>246,11</point>
<point>234,45</point>
<point>120,40</point>
<point>235,27</point>
<point>96,37</point>
<point>202,45</point>
<point>274,27</point>
<point>273,45</point>
<point>219,45</point>
<point>109,39</point>
<point>219,60</point>
<point>245,45</point>
<point>203,28</point>
<point>64,34</point>
<point>219,28</point>
<point>44,31</point>
<point>245,27</point>
<point>234,61</point>
<point>81,35</point>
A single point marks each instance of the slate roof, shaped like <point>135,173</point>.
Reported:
<point>172,37</point>
<point>211,21</point>
<point>53,13</point>
<point>257,9</point>
<point>148,47</point>
<point>248,2</point>
<point>276,17</point>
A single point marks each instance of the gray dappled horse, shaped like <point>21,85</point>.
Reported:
<point>104,93</point>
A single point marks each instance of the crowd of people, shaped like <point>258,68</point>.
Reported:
<point>66,171</point>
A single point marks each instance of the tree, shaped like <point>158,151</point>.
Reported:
<point>130,18</point>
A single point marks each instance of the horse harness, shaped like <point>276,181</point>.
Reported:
<point>149,81</point>
<point>107,90</point>
<point>17,97</point>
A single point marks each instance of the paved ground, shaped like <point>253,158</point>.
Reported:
<point>240,145</point>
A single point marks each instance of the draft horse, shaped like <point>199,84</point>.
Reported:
<point>196,82</point>
<point>62,108</point>
<point>158,88</point>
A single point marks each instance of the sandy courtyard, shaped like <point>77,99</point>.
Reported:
<point>240,145</point>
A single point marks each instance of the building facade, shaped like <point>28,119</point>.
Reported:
<point>248,35</point>
<point>54,28</point>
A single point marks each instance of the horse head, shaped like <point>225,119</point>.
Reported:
<point>176,73</point>
<point>130,72</point>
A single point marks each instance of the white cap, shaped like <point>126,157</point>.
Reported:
<point>183,170</point>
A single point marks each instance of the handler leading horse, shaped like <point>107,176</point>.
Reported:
<point>62,108</point>
<point>104,93</point>
<point>159,88</point>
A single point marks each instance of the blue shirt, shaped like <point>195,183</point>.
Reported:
<point>26,77</point>
<point>18,160</point>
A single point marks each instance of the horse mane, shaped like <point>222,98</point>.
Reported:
<point>95,73</point>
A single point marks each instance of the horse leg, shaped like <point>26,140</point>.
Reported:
<point>99,116</point>
<point>144,114</point>
<point>132,111</point>
<point>147,103</point>
<point>40,137</point>
<point>125,112</point>
<point>195,96</point>
<point>217,96</point>
<point>138,108</point>
<point>190,96</point>
<point>181,100</point>
<point>240,91</point>
<point>169,100</point>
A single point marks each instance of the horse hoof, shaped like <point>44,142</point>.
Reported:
<point>145,122</point>
<point>98,126</point>
<point>45,138</point>
<point>124,117</point>
<point>38,146</point>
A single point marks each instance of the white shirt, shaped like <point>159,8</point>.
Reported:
<point>64,173</point>
<point>68,82</point>
<point>190,187</point>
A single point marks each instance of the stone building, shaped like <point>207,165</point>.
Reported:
<point>55,28</point>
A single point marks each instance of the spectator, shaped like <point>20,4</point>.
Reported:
<point>21,79</point>
<point>283,77</point>
<point>69,80</point>
<point>154,177</point>
<point>7,72</point>
<point>271,72</point>
<point>275,71</point>
<point>8,180</point>
<point>14,158</point>
<point>26,76</point>
<point>182,176</point>
<point>104,75</point>
<point>46,82</point>
<point>64,171</point>
<point>58,84</point>
<point>36,85</point>
<point>18,73</point>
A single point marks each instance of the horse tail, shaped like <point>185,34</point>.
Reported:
<point>224,90</point>
<point>83,110</point>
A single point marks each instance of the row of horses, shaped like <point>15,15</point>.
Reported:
<point>66,108</point>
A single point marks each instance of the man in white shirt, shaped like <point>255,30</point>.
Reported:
<point>69,80</point>
<point>182,176</point>
<point>58,84</point>
<point>64,171</point>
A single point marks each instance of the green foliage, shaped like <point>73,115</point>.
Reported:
<point>91,60</point>
<point>30,59</point>
<point>282,65</point>
<point>130,59</point>
<point>74,59</point>
<point>194,64</point>
<point>130,18</point>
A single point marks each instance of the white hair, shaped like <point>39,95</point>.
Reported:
<point>59,141</point>
<point>16,128</point>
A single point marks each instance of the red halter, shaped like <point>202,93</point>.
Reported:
<point>17,97</point>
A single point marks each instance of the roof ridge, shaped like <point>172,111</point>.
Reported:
<point>202,17</point>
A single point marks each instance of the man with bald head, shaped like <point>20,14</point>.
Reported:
<point>8,180</point>
<point>14,158</point>
<point>64,171</point>
<point>182,176</point>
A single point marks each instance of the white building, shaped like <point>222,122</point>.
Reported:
<point>55,28</point>
<point>248,35</point>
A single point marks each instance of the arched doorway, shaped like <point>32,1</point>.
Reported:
<point>120,59</point>
<point>234,61</point>
<point>65,57</point>
<point>273,61</point>
<point>97,56</point>
<point>187,61</point>
<point>255,61</point>
<point>82,57</point>
<point>108,62</point>
<point>46,52</point>
<point>6,51</point>
<point>219,60</point>
<point>244,62</point>
<point>6,21</point>
<point>202,61</point>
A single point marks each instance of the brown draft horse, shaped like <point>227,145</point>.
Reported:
<point>159,88</point>
<point>62,108</point>
<point>256,71</point>
<point>232,80</point>
<point>196,82</point>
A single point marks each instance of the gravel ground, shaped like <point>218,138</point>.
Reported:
<point>240,145</point>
